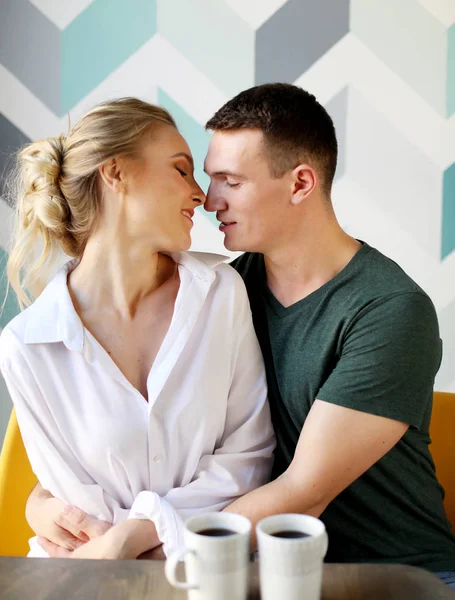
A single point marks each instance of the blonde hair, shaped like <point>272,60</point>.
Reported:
<point>55,187</point>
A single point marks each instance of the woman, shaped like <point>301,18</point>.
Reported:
<point>136,374</point>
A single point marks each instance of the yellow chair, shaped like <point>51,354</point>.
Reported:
<point>16,482</point>
<point>443,447</point>
<point>17,478</point>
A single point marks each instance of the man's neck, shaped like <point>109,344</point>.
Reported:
<point>308,261</point>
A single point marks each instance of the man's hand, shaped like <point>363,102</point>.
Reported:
<point>59,525</point>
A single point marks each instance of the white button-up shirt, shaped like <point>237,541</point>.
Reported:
<point>204,437</point>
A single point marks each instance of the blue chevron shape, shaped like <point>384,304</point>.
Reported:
<point>197,138</point>
<point>448,213</point>
<point>11,307</point>
<point>103,36</point>
<point>61,67</point>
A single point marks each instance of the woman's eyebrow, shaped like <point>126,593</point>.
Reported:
<point>184,155</point>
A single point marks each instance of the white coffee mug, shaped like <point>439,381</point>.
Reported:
<point>216,564</point>
<point>291,555</point>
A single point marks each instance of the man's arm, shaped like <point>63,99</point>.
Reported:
<point>336,446</point>
<point>380,386</point>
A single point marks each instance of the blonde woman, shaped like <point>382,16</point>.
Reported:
<point>136,374</point>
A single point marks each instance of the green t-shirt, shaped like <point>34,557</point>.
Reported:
<point>367,340</point>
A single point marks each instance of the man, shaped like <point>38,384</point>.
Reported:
<point>350,342</point>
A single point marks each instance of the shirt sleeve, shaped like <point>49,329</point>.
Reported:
<point>240,463</point>
<point>388,361</point>
<point>243,459</point>
<point>57,468</point>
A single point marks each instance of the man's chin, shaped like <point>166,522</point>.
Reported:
<point>237,245</point>
<point>230,245</point>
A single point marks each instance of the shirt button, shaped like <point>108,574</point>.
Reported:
<point>157,459</point>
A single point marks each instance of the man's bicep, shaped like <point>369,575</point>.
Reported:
<point>388,361</point>
<point>337,445</point>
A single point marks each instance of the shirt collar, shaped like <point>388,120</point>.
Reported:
<point>200,264</point>
<point>53,318</point>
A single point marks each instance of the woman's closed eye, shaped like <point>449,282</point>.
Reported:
<point>182,172</point>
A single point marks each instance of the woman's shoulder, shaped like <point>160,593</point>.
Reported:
<point>226,275</point>
<point>12,338</point>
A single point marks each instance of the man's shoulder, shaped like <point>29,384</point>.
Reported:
<point>387,273</point>
<point>246,263</point>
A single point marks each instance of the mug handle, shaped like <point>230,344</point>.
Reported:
<point>171,566</point>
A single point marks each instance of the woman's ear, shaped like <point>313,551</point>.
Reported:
<point>304,180</point>
<point>111,175</point>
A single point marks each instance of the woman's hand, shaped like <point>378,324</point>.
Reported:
<point>126,540</point>
<point>63,525</point>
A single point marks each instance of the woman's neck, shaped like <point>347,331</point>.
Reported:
<point>118,275</point>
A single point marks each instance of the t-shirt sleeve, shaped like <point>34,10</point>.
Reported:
<point>389,358</point>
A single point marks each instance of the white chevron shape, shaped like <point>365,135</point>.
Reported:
<point>206,237</point>
<point>399,177</point>
<point>61,13</point>
<point>25,110</point>
<point>447,388</point>
<point>187,85</point>
<point>350,62</point>
<point>361,216</point>
<point>255,12</point>
<point>443,10</point>
<point>6,227</point>
<point>136,76</point>
<point>159,64</point>
<point>156,63</point>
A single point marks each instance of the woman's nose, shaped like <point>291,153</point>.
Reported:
<point>199,195</point>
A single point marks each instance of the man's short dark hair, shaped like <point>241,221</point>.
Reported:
<point>296,127</point>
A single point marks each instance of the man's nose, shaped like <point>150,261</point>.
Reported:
<point>214,201</point>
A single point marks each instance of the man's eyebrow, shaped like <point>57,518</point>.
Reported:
<point>184,155</point>
<point>225,172</point>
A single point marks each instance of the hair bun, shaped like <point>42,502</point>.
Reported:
<point>42,164</point>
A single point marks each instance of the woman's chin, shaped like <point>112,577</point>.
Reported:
<point>181,245</point>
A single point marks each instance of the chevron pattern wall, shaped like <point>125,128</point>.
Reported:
<point>385,70</point>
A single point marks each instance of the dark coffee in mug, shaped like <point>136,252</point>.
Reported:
<point>289,534</point>
<point>216,532</point>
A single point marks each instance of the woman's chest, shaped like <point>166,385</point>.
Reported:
<point>109,426</point>
<point>133,345</point>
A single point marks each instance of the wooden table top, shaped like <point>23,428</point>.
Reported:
<point>66,579</point>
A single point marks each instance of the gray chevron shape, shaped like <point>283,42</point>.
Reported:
<point>299,33</point>
<point>10,140</point>
<point>337,108</point>
<point>30,47</point>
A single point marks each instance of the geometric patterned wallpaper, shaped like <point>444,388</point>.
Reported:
<point>385,70</point>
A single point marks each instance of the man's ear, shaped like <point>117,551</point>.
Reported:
<point>304,180</point>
